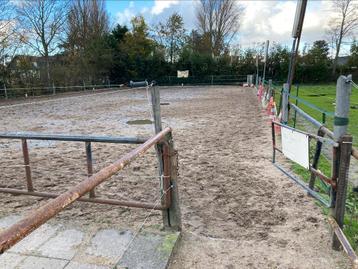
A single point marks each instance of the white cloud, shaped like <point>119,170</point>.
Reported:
<point>159,12</point>
<point>126,15</point>
<point>262,20</point>
<point>161,5</point>
<point>273,20</point>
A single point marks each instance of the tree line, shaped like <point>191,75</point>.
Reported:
<point>47,42</point>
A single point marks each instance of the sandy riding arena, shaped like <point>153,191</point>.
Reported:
<point>238,210</point>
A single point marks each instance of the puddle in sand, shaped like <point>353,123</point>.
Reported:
<point>139,122</point>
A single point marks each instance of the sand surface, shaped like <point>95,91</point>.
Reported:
<point>238,210</point>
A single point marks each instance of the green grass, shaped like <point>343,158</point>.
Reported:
<point>323,96</point>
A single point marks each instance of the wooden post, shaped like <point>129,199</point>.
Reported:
<point>172,216</point>
<point>6,97</point>
<point>343,92</point>
<point>92,193</point>
<point>155,96</point>
<point>212,79</point>
<point>284,108</point>
<point>25,152</point>
<point>345,145</point>
<point>53,88</point>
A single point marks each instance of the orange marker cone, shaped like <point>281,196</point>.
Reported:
<point>272,114</point>
<point>269,106</point>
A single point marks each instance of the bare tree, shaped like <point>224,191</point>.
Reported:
<point>86,25</point>
<point>7,26</point>
<point>171,35</point>
<point>87,19</point>
<point>9,35</point>
<point>342,25</point>
<point>43,21</point>
<point>219,21</point>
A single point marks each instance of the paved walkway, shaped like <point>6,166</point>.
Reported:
<point>58,247</point>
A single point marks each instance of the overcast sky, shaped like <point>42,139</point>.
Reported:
<point>262,20</point>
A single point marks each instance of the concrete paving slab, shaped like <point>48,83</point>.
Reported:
<point>77,265</point>
<point>30,243</point>
<point>149,251</point>
<point>10,260</point>
<point>110,244</point>
<point>59,246</point>
<point>33,262</point>
<point>63,245</point>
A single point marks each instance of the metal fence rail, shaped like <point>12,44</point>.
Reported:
<point>24,137</point>
<point>335,186</point>
<point>330,181</point>
<point>73,138</point>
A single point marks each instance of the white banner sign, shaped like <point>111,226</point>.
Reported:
<point>295,146</point>
<point>183,74</point>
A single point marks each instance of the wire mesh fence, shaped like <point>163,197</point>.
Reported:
<point>33,91</point>
<point>203,80</point>
<point>24,92</point>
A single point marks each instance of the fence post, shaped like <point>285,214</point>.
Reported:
<point>25,152</point>
<point>92,193</point>
<point>172,215</point>
<point>343,93</point>
<point>84,86</point>
<point>155,96</point>
<point>339,195</point>
<point>345,145</point>
<point>212,79</point>
<point>284,108</point>
<point>53,88</point>
<point>6,97</point>
<point>296,103</point>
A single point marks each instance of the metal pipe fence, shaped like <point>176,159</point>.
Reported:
<point>333,191</point>
<point>35,219</point>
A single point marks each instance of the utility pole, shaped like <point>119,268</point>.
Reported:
<point>265,60</point>
<point>296,34</point>
<point>257,71</point>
